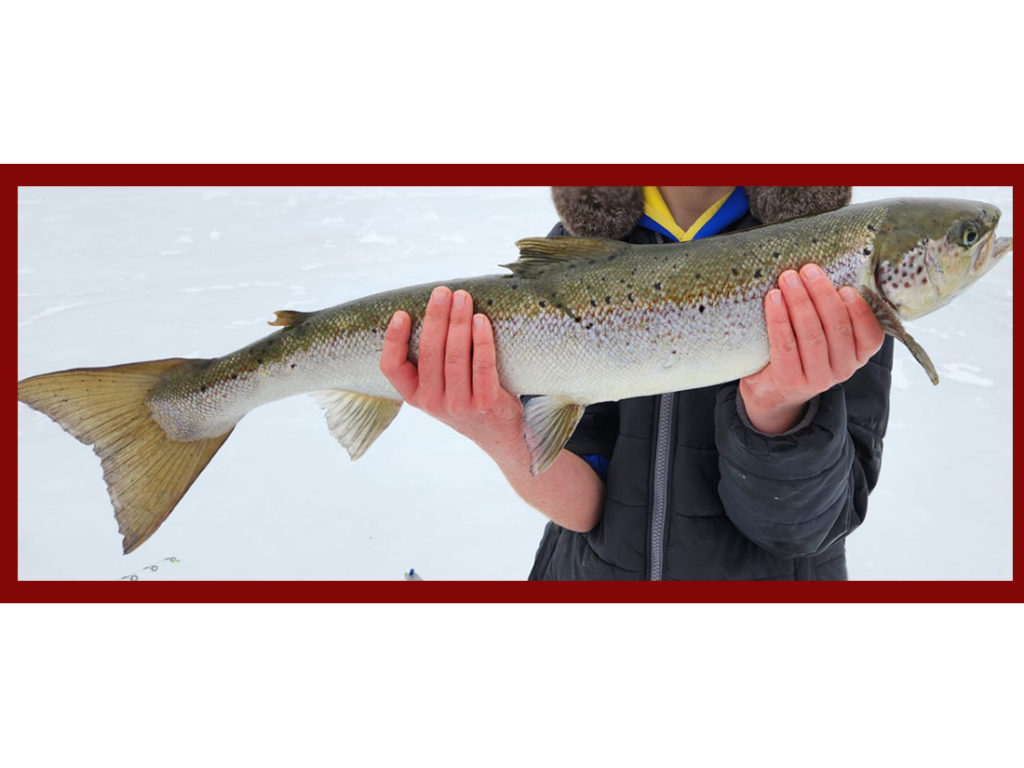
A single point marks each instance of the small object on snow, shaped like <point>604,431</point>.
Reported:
<point>154,568</point>
<point>413,576</point>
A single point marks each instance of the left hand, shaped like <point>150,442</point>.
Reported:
<point>818,337</point>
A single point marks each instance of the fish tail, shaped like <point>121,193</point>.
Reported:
<point>146,472</point>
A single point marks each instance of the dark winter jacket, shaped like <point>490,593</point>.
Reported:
<point>693,491</point>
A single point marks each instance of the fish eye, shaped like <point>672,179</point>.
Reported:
<point>969,233</point>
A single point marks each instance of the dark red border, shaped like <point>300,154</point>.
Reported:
<point>12,590</point>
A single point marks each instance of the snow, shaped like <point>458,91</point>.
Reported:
<point>114,275</point>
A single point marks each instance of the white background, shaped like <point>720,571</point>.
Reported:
<point>849,685</point>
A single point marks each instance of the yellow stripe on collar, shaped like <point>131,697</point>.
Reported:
<point>657,209</point>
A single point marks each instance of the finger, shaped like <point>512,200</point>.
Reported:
<point>394,359</point>
<point>867,332</point>
<point>835,322</point>
<point>785,354</point>
<point>810,336</point>
<point>485,372</point>
<point>430,356</point>
<point>457,374</point>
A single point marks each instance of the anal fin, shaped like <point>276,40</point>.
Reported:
<point>548,423</point>
<point>892,325</point>
<point>355,419</point>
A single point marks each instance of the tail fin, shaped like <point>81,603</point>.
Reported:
<point>146,472</point>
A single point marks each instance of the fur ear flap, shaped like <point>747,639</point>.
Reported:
<point>614,211</point>
<point>599,211</point>
<point>770,205</point>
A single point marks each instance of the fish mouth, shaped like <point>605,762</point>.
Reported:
<point>991,250</point>
<point>1003,245</point>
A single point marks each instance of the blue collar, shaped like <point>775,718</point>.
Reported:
<point>732,210</point>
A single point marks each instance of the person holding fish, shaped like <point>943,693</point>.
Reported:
<point>760,478</point>
<point>685,394</point>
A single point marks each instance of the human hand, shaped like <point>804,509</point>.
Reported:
<point>818,336</point>
<point>456,382</point>
<point>455,379</point>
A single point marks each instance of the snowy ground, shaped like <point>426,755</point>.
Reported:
<point>114,275</point>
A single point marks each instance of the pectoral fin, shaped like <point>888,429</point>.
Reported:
<point>548,423</point>
<point>893,326</point>
<point>356,420</point>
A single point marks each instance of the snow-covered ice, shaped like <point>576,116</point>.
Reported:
<point>115,275</point>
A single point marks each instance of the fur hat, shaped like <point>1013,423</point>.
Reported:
<point>614,211</point>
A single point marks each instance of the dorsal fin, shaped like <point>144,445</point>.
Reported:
<point>286,317</point>
<point>539,254</point>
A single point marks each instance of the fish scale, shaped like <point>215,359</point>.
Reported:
<point>576,321</point>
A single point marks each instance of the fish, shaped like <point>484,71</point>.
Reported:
<point>576,321</point>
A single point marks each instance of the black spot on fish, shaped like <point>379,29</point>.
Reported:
<point>757,273</point>
<point>293,365</point>
<point>259,361</point>
<point>735,271</point>
<point>202,388</point>
<point>697,276</point>
<point>490,302</point>
<point>576,319</point>
<point>543,303</point>
<point>814,240</point>
<point>607,299</point>
<point>588,326</point>
<point>701,309</point>
<point>593,303</point>
<point>657,286</point>
<point>776,255</point>
<point>630,297</point>
<point>866,251</point>
<point>234,376</point>
<point>872,228</point>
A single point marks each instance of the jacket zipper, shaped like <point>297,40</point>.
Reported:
<point>659,507</point>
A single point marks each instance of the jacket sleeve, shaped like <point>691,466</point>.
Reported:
<point>798,493</point>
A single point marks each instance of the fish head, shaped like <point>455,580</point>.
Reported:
<point>929,251</point>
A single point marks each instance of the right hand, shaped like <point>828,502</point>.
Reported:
<point>456,380</point>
